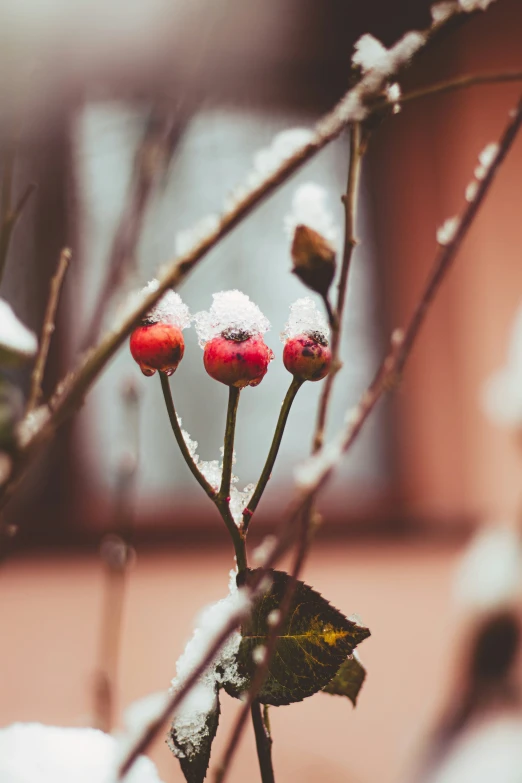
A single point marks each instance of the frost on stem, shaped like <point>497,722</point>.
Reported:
<point>34,753</point>
<point>190,723</point>
<point>189,238</point>
<point>212,470</point>
<point>16,340</point>
<point>442,11</point>
<point>502,392</point>
<point>305,318</point>
<point>371,55</point>
<point>446,233</point>
<point>230,311</point>
<point>269,159</point>
<point>309,209</point>
<point>486,159</point>
<point>489,576</point>
<point>474,5</point>
<point>308,474</point>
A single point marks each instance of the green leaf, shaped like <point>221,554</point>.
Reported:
<point>348,681</point>
<point>312,644</point>
<point>192,744</point>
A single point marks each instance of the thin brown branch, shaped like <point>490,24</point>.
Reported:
<point>461,82</point>
<point>116,552</point>
<point>151,161</point>
<point>350,215</point>
<point>47,330</point>
<point>178,434</point>
<point>11,214</point>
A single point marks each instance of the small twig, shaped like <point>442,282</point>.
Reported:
<point>350,215</point>
<point>116,552</point>
<point>47,330</point>
<point>169,404</point>
<point>151,161</point>
<point>263,744</point>
<point>272,454</point>
<point>459,83</point>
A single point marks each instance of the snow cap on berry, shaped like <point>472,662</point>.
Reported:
<point>230,311</point>
<point>305,318</point>
<point>170,308</point>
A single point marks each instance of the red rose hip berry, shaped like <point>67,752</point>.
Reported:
<point>157,346</point>
<point>307,356</point>
<point>237,358</point>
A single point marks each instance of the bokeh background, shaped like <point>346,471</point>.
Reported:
<point>77,82</point>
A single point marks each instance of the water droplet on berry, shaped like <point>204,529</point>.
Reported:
<point>148,371</point>
<point>169,372</point>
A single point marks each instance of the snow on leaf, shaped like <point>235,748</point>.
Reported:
<point>34,753</point>
<point>17,342</point>
<point>305,318</point>
<point>312,643</point>
<point>349,679</point>
<point>309,209</point>
<point>230,310</point>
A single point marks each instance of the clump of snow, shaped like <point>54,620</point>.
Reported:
<point>371,55</point>
<point>442,11</point>
<point>34,753</point>
<point>15,338</point>
<point>190,720</point>
<point>502,392</point>
<point>446,232</point>
<point>488,750</point>
<point>486,159</point>
<point>169,308</point>
<point>305,318</point>
<point>474,5</point>
<point>189,238</point>
<point>309,209</point>
<point>490,573</point>
<point>267,160</point>
<point>230,310</point>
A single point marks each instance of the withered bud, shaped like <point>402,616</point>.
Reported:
<point>314,259</point>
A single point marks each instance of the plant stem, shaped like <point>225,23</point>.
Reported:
<point>350,215</point>
<point>228,448</point>
<point>169,403</point>
<point>10,214</point>
<point>47,330</point>
<point>272,454</point>
<point>263,743</point>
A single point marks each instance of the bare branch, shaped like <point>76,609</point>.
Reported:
<point>48,329</point>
